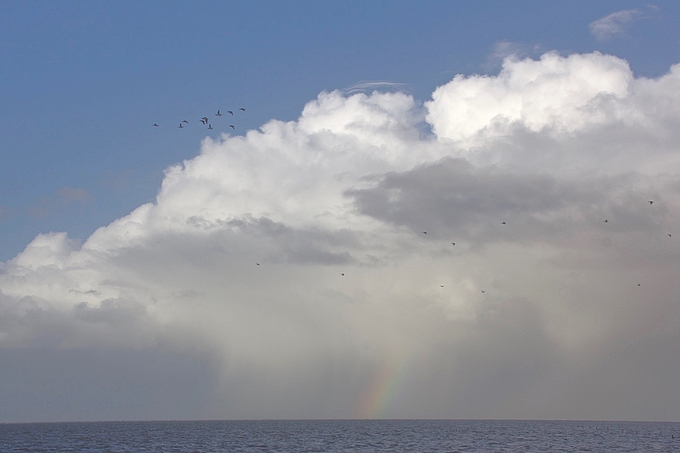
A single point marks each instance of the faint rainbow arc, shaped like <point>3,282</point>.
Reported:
<point>383,388</point>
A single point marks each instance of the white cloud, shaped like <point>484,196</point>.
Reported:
<point>559,94</point>
<point>369,86</point>
<point>503,50</point>
<point>552,147</point>
<point>615,24</point>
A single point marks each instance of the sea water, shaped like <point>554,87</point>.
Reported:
<point>397,436</point>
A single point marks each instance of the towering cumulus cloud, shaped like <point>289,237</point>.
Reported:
<point>312,263</point>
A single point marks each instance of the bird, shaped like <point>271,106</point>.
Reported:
<point>503,223</point>
<point>639,284</point>
<point>424,232</point>
<point>232,126</point>
<point>185,121</point>
<point>204,121</point>
<point>343,274</point>
<point>210,126</point>
<point>180,126</point>
<point>483,291</point>
<point>218,113</point>
<point>155,125</point>
<point>441,286</point>
<point>230,112</point>
<point>606,221</point>
<point>242,109</point>
<point>453,243</point>
<point>669,235</point>
<point>257,264</point>
<point>650,202</point>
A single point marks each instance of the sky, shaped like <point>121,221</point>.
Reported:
<point>422,210</point>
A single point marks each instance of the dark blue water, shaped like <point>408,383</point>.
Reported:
<point>398,436</point>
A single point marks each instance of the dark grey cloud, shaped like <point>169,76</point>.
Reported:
<point>30,321</point>
<point>453,198</point>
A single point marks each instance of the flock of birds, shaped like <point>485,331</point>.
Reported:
<point>206,121</point>
<point>651,202</point>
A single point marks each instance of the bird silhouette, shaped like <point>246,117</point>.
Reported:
<point>503,223</point>
<point>180,126</point>
<point>210,126</point>
<point>606,221</point>
<point>232,126</point>
<point>185,121</point>
<point>483,291</point>
<point>257,264</point>
<point>242,109</point>
<point>155,125</point>
<point>453,243</point>
<point>218,113</point>
<point>650,202</point>
<point>204,121</point>
<point>441,286</point>
<point>669,235</point>
<point>230,112</point>
<point>343,274</point>
<point>424,232</point>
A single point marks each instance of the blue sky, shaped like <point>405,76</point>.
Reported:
<point>83,81</point>
<point>426,210</point>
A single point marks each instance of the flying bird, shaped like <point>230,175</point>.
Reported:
<point>204,121</point>
<point>230,112</point>
<point>185,121</point>
<point>155,125</point>
<point>606,221</point>
<point>210,126</point>
<point>441,286</point>
<point>257,264</point>
<point>669,235</point>
<point>218,113</point>
<point>343,274</point>
<point>424,232</point>
<point>242,109</point>
<point>650,202</point>
<point>453,243</point>
<point>180,126</point>
<point>483,291</point>
<point>503,223</point>
<point>232,126</point>
<point>639,284</point>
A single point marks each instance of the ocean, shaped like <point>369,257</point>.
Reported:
<point>297,436</point>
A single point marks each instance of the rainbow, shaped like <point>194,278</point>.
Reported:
<point>382,388</point>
